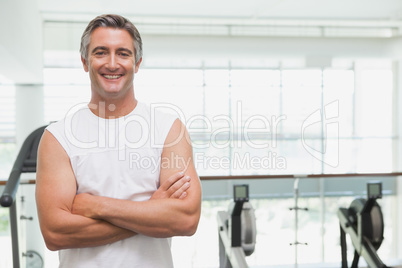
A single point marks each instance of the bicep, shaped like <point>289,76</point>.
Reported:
<point>177,156</point>
<point>55,180</point>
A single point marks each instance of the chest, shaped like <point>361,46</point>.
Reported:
<point>129,173</point>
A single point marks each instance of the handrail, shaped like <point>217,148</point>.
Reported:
<point>21,182</point>
<point>23,163</point>
<point>278,176</point>
<point>293,176</point>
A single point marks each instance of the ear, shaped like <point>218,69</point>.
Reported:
<point>137,65</point>
<point>84,64</point>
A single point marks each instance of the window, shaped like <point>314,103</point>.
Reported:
<point>7,129</point>
<point>64,88</point>
<point>282,121</point>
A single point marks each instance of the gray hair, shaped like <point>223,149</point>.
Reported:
<point>114,21</point>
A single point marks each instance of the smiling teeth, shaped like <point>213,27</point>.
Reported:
<point>111,76</point>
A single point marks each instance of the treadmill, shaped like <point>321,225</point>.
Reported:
<point>237,230</point>
<point>363,222</point>
<point>25,163</point>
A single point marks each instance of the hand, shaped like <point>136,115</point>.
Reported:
<point>174,187</point>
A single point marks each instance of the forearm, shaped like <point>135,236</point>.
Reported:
<point>74,231</point>
<point>156,217</point>
<point>173,209</point>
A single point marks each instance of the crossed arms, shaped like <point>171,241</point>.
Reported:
<point>69,220</point>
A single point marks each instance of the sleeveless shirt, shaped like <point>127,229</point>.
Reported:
<point>117,158</point>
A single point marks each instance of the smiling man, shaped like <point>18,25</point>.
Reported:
<point>111,65</point>
<point>94,206</point>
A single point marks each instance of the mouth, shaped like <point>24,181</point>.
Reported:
<point>112,76</point>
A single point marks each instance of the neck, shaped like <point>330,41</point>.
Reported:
<point>112,108</point>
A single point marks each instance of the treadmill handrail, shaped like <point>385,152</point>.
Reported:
<point>10,190</point>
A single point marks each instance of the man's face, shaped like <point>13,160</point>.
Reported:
<point>111,58</point>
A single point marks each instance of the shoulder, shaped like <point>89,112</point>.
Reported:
<point>162,121</point>
<point>178,137</point>
<point>75,113</point>
<point>55,132</point>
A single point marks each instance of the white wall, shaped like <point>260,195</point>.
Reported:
<point>21,42</point>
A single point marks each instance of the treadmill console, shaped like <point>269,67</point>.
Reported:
<point>240,193</point>
<point>374,190</point>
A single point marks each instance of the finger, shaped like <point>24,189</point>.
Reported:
<point>172,180</point>
<point>182,189</point>
<point>177,185</point>
<point>165,190</point>
<point>183,195</point>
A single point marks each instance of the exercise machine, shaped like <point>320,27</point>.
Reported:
<point>25,163</point>
<point>237,230</point>
<point>363,221</point>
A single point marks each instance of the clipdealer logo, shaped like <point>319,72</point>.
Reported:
<point>234,132</point>
<point>328,119</point>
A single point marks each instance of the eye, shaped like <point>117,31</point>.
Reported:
<point>124,54</point>
<point>99,53</point>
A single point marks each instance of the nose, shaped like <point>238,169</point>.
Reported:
<point>112,62</point>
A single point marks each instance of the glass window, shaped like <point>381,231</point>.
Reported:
<point>64,88</point>
<point>301,98</point>
<point>7,130</point>
<point>339,90</point>
<point>5,238</point>
<point>312,118</point>
<point>374,103</point>
<point>7,113</point>
<point>217,105</point>
<point>182,89</point>
<point>7,158</point>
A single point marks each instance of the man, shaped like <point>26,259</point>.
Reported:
<point>97,203</point>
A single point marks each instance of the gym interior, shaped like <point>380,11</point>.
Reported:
<point>292,106</point>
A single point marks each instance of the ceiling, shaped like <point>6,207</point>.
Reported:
<point>230,9</point>
<point>358,19</point>
<point>323,18</point>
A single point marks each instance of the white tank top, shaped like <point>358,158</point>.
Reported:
<point>118,158</point>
